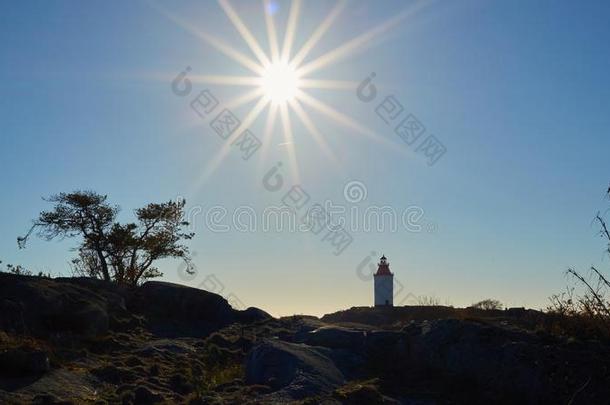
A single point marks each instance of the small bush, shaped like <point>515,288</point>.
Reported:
<point>488,305</point>
<point>428,301</point>
<point>18,270</point>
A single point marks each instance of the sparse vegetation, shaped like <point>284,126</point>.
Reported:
<point>428,300</point>
<point>488,305</point>
<point>584,308</point>
<point>221,365</point>
<point>383,353</point>
<point>123,253</point>
<point>16,269</point>
<point>20,270</point>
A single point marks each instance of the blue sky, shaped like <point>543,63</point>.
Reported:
<point>516,91</point>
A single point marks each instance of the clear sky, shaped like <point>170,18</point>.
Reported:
<point>517,92</point>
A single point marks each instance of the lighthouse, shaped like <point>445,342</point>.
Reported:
<point>384,284</point>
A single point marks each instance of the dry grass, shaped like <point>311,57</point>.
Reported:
<point>583,310</point>
<point>12,341</point>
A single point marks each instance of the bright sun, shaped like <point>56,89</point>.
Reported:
<point>282,76</point>
<point>280,82</point>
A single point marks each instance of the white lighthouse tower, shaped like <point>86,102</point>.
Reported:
<point>384,284</point>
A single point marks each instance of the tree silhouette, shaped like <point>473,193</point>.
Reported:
<point>123,253</point>
<point>487,305</point>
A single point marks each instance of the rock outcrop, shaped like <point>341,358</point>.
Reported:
<point>88,308</point>
<point>335,337</point>
<point>296,371</point>
<point>42,307</point>
<point>20,362</point>
<point>75,340</point>
<point>85,341</point>
<point>462,361</point>
<point>176,310</point>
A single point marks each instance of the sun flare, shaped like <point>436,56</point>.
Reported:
<point>282,76</point>
<point>280,83</point>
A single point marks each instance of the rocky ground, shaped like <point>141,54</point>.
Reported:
<point>86,341</point>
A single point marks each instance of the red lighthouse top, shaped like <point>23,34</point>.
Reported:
<point>384,267</point>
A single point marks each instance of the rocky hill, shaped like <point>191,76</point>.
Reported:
<point>86,341</point>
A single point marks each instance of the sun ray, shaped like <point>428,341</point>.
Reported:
<point>318,34</point>
<point>289,139</point>
<point>226,147</point>
<point>244,32</point>
<point>280,82</point>
<point>244,98</point>
<point>267,134</point>
<point>227,50</point>
<point>313,130</point>
<point>293,18</point>
<point>328,84</point>
<point>341,118</point>
<point>356,43</point>
<point>271,32</point>
<point>228,80</point>
<point>232,53</point>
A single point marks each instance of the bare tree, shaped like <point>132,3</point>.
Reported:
<point>124,253</point>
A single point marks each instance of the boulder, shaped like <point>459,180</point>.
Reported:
<point>304,325</point>
<point>90,308</point>
<point>144,396</point>
<point>364,393</point>
<point>251,315</point>
<point>20,362</point>
<point>175,310</point>
<point>112,374</point>
<point>494,359</point>
<point>44,307</point>
<point>180,384</point>
<point>335,337</point>
<point>297,370</point>
<point>49,399</point>
<point>387,350</point>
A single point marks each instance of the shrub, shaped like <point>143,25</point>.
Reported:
<point>487,305</point>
